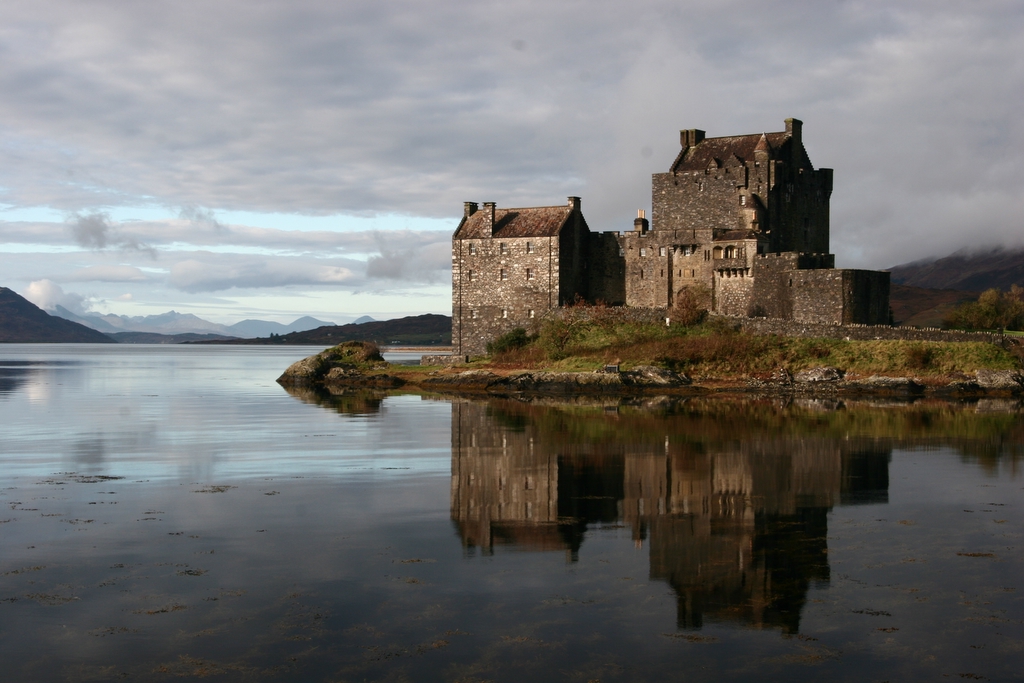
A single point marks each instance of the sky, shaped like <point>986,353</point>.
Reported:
<point>272,159</point>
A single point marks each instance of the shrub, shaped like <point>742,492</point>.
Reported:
<point>691,305</point>
<point>919,356</point>
<point>510,341</point>
<point>994,309</point>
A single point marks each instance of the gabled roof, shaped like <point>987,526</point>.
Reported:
<point>539,221</point>
<point>717,151</point>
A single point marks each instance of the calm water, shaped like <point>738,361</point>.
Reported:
<point>171,512</point>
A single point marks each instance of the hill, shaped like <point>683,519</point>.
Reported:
<point>922,307</point>
<point>21,321</point>
<point>964,271</point>
<point>155,338</point>
<point>418,330</point>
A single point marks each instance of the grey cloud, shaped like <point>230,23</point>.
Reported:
<point>211,273</point>
<point>318,108</point>
<point>107,273</point>
<point>430,262</point>
<point>95,231</point>
<point>200,217</point>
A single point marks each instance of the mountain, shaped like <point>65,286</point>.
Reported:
<point>363,319</point>
<point>248,329</point>
<point>964,270</point>
<point>174,323</point>
<point>922,307</point>
<point>24,322</point>
<point>418,330</point>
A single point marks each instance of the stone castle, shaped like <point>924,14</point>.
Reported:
<point>740,221</point>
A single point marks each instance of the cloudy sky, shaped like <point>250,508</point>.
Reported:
<point>273,159</point>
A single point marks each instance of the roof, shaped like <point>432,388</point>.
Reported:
<point>736,235</point>
<point>539,221</point>
<point>720,151</point>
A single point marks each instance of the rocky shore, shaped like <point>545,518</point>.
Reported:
<point>355,366</point>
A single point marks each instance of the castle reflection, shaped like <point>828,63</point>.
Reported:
<point>732,504</point>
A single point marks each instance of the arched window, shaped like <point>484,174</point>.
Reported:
<point>730,252</point>
<point>718,252</point>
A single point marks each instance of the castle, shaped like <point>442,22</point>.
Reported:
<point>741,221</point>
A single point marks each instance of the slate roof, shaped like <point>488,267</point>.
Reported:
<point>540,221</point>
<point>721,150</point>
<point>735,235</point>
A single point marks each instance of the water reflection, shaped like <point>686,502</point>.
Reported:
<point>737,526</point>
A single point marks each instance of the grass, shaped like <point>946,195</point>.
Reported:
<point>711,349</point>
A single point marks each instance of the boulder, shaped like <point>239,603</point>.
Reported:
<point>1011,380</point>
<point>815,375</point>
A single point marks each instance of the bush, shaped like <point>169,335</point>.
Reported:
<point>993,310</point>
<point>510,341</point>
<point>691,305</point>
<point>919,356</point>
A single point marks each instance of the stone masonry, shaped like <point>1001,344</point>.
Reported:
<point>742,220</point>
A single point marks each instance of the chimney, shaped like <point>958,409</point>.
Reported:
<point>640,224</point>
<point>690,138</point>
<point>574,203</point>
<point>469,208</point>
<point>489,217</point>
<point>794,129</point>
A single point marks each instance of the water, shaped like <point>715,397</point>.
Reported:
<point>172,512</point>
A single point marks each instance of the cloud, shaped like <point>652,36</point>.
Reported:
<point>105,273</point>
<point>201,217</point>
<point>404,107</point>
<point>95,231</point>
<point>429,262</point>
<point>47,295</point>
<point>214,274</point>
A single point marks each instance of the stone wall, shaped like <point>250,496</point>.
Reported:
<point>792,328</point>
<point>499,285</point>
<point>606,269</point>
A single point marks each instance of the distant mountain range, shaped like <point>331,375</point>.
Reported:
<point>174,323</point>
<point>21,321</point>
<point>416,330</point>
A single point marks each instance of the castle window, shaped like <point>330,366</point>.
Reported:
<point>663,272</point>
<point>472,249</point>
<point>531,312</point>
<point>743,200</point>
<point>504,313</point>
<point>529,247</point>
<point>718,252</point>
<point>502,247</point>
<point>643,251</point>
<point>730,252</point>
<point>503,274</point>
<point>622,252</point>
<point>470,276</point>
<point>661,251</point>
<point>472,314</point>
<point>641,273</point>
<point>529,273</point>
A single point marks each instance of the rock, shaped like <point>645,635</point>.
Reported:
<point>904,385</point>
<point>649,375</point>
<point>1000,379</point>
<point>822,374</point>
<point>781,376</point>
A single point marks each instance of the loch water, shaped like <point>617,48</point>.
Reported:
<point>171,513</point>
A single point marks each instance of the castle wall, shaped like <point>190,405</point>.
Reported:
<point>606,269</point>
<point>494,292</point>
<point>840,296</point>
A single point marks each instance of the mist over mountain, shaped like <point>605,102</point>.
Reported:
<point>174,323</point>
<point>964,270</point>
<point>21,321</point>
